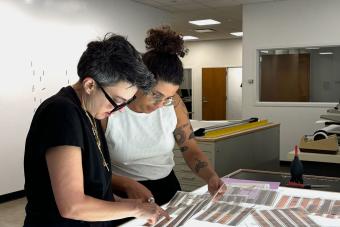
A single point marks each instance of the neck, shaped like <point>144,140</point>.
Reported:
<point>134,106</point>
<point>77,87</point>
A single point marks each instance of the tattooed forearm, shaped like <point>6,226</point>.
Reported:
<point>200,165</point>
<point>192,135</point>
<point>184,149</point>
<point>180,134</point>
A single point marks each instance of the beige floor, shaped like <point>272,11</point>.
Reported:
<point>12,213</point>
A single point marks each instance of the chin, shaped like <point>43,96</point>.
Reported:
<point>102,116</point>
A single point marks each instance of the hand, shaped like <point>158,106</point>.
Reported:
<point>216,184</point>
<point>151,212</point>
<point>136,190</point>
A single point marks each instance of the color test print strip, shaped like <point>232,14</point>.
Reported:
<point>317,206</point>
<point>283,217</point>
<point>225,213</point>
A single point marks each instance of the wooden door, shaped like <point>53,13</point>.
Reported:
<point>214,93</point>
<point>285,78</point>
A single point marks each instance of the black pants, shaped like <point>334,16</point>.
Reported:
<point>163,189</point>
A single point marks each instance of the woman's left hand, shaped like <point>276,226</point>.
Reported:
<point>136,190</point>
<point>216,184</point>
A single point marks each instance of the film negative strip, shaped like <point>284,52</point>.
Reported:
<point>282,202</point>
<point>209,211</point>
<point>249,195</point>
<point>290,217</point>
<point>195,209</point>
<point>223,208</point>
<point>224,213</point>
<point>241,216</point>
<point>335,210</point>
<point>317,206</point>
<point>260,220</point>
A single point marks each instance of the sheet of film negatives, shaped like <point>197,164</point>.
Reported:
<point>186,199</point>
<point>249,195</point>
<point>317,206</point>
<point>290,217</point>
<point>182,207</point>
<point>224,213</point>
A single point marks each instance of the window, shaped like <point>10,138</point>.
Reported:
<point>308,74</point>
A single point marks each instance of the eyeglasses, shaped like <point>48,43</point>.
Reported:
<point>158,98</point>
<point>116,107</point>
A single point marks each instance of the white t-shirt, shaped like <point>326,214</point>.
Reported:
<point>141,144</point>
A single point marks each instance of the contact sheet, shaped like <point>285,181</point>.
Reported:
<point>254,206</point>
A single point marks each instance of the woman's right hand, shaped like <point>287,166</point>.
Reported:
<point>151,212</point>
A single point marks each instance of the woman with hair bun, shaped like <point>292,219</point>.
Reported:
<point>141,139</point>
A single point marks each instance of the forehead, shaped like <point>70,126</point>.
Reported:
<point>165,88</point>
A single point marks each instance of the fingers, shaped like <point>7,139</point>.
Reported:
<point>164,214</point>
<point>158,213</point>
<point>220,192</point>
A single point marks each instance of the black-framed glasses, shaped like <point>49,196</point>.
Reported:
<point>116,107</point>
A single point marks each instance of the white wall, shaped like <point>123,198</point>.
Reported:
<point>40,45</point>
<point>234,93</point>
<point>204,54</point>
<point>291,23</point>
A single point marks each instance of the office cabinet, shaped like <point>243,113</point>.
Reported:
<point>255,148</point>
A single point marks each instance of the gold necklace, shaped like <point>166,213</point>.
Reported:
<point>95,133</point>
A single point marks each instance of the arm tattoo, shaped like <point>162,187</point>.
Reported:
<point>180,134</point>
<point>192,136</point>
<point>200,165</point>
<point>183,149</point>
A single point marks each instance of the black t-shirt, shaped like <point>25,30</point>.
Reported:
<point>58,121</point>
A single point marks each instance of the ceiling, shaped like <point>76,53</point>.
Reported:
<point>228,12</point>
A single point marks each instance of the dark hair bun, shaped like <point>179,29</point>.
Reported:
<point>165,40</point>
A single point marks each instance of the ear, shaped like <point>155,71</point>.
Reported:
<point>89,85</point>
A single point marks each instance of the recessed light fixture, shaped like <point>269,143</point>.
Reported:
<point>264,51</point>
<point>204,22</point>
<point>189,37</point>
<point>312,48</point>
<point>326,53</point>
<point>238,34</point>
<point>205,30</point>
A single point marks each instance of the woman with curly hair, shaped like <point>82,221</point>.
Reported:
<point>141,139</point>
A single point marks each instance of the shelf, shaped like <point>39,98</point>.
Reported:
<point>316,157</point>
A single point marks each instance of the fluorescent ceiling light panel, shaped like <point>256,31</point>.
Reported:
<point>312,48</point>
<point>189,37</point>
<point>238,34</point>
<point>205,30</point>
<point>204,22</point>
<point>264,51</point>
<point>326,53</point>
